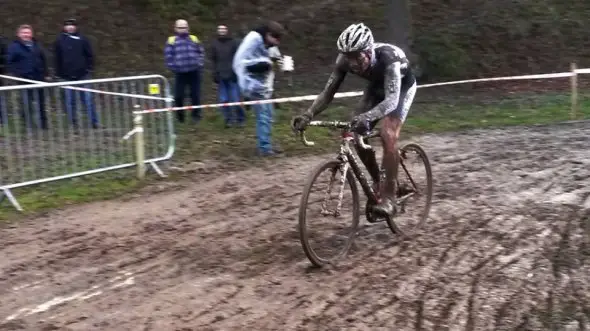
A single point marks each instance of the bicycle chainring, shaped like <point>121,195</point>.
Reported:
<point>370,216</point>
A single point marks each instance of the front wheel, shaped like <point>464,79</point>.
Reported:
<point>414,191</point>
<point>337,202</point>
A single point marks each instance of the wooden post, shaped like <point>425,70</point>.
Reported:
<point>574,92</point>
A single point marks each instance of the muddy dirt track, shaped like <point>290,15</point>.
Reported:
<point>507,248</point>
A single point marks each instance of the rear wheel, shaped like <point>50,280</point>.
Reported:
<point>414,191</point>
<point>333,209</point>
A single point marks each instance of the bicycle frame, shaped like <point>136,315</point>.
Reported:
<point>348,159</point>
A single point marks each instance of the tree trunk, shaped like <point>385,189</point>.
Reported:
<point>399,23</point>
<point>400,27</point>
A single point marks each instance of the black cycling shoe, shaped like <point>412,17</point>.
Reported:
<point>385,208</point>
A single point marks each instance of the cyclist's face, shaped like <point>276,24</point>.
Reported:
<point>358,61</point>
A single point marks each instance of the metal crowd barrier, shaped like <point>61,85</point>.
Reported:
<point>58,130</point>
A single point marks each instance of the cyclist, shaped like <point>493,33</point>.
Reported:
<point>388,97</point>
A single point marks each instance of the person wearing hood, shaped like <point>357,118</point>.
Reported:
<point>223,49</point>
<point>74,61</point>
<point>25,58</point>
<point>253,67</point>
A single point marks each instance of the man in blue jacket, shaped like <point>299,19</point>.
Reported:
<point>253,66</point>
<point>74,60</point>
<point>185,57</point>
<point>26,59</point>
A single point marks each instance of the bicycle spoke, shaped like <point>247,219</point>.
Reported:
<point>409,176</point>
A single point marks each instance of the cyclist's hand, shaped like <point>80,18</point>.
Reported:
<point>299,122</point>
<point>360,125</point>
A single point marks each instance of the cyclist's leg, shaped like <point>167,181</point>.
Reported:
<point>368,157</point>
<point>390,131</point>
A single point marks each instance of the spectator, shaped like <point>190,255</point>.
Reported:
<point>222,53</point>
<point>2,72</point>
<point>185,58</point>
<point>253,67</point>
<point>26,59</point>
<point>74,61</point>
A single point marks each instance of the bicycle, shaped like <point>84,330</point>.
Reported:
<point>345,161</point>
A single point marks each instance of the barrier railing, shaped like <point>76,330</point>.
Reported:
<point>59,130</point>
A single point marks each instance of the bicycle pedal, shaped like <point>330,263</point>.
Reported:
<point>330,213</point>
<point>380,215</point>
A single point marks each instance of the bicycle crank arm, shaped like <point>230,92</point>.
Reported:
<point>403,198</point>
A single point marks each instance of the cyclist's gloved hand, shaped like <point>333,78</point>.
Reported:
<point>360,124</point>
<point>298,123</point>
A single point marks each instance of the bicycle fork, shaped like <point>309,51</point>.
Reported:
<point>343,169</point>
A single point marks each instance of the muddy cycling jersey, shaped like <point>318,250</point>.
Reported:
<point>391,84</point>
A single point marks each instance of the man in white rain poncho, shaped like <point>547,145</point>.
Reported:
<point>253,66</point>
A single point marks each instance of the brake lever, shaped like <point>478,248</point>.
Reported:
<point>361,142</point>
<point>305,141</point>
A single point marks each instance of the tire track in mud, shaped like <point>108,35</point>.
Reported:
<point>507,248</point>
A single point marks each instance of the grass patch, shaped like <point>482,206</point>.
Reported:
<point>237,146</point>
<point>432,118</point>
<point>39,198</point>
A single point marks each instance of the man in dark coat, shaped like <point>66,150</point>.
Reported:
<point>223,49</point>
<point>25,58</point>
<point>2,58</point>
<point>74,61</point>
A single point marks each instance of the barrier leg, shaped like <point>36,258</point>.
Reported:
<point>139,146</point>
<point>157,169</point>
<point>7,194</point>
<point>138,132</point>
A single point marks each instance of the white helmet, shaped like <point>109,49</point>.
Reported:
<point>356,37</point>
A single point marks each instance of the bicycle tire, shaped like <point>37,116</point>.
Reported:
<point>391,220</point>
<point>303,235</point>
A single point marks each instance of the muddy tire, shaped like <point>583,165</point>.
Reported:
<point>314,258</point>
